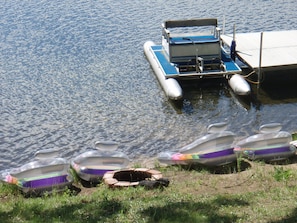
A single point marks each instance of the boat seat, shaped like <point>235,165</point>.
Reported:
<point>191,60</point>
<point>180,40</point>
<point>184,52</point>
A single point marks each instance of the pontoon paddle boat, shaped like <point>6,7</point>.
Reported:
<point>92,165</point>
<point>192,49</point>
<point>47,173</point>
<point>213,149</point>
<point>270,144</point>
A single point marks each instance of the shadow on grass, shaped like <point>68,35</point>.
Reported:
<point>233,167</point>
<point>85,183</point>
<point>292,218</point>
<point>71,189</point>
<point>84,211</point>
<point>194,211</point>
<point>108,210</point>
<point>89,184</point>
<point>287,161</point>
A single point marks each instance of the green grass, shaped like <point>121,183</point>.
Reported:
<point>260,193</point>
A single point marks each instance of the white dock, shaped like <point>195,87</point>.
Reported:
<point>279,49</point>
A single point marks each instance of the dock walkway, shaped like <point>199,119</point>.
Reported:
<point>279,49</point>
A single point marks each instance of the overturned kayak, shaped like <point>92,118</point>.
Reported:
<point>92,165</point>
<point>46,173</point>
<point>270,144</point>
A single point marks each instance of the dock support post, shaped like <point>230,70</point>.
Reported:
<point>260,60</point>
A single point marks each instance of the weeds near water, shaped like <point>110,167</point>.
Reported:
<point>280,174</point>
<point>239,162</point>
<point>137,165</point>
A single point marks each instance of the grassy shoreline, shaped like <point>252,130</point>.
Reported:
<point>258,193</point>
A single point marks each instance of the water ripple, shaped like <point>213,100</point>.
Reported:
<point>74,72</point>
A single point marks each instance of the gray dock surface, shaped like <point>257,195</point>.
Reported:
<point>279,49</point>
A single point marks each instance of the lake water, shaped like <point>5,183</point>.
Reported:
<point>73,72</point>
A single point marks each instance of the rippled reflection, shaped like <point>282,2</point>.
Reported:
<point>74,72</point>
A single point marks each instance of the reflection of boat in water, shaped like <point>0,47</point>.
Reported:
<point>92,165</point>
<point>192,49</point>
<point>47,173</point>
<point>213,149</point>
<point>242,101</point>
<point>270,144</point>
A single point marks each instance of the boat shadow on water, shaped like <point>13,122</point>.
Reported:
<point>275,88</point>
<point>205,91</point>
<point>277,93</point>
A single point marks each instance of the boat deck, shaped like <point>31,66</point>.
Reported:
<point>279,49</point>
<point>171,72</point>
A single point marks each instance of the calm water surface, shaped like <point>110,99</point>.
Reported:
<point>74,72</point>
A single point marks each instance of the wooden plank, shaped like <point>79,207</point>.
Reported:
<point>279,49</point>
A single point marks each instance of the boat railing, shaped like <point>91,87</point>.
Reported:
<point>195,23</point>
